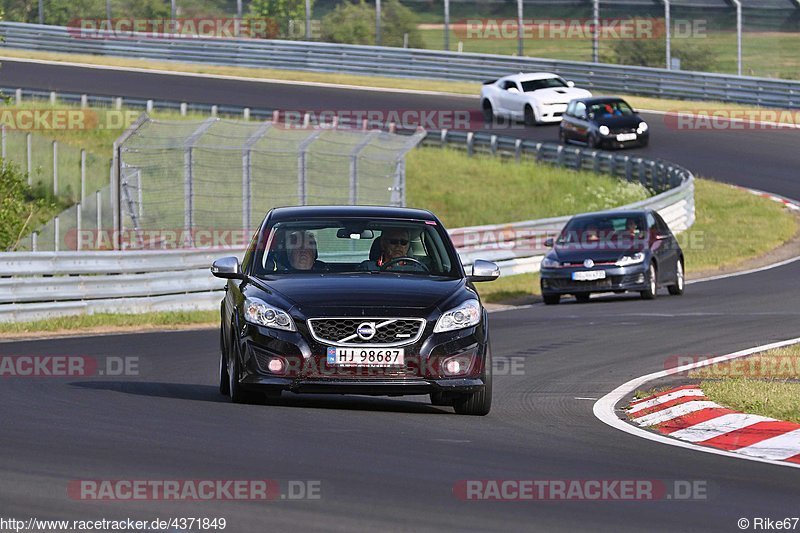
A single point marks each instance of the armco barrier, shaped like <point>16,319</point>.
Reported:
<point>403,62</point>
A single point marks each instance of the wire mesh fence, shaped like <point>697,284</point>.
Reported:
<point>209,183</point>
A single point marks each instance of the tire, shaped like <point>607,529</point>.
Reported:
<point>235,391</point>
<point>438,399</point>
<point>488,112</point>
<point>530,116</point>
<point>652,284</point>
<point>478,403</point>
<point>224,385</point>
<point>676,289</point>
<point>551,299</point>
<point>562,136</point>
<point>582,297</point>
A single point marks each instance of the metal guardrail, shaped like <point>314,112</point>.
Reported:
<point>42,284</point>
<point>406,63</point>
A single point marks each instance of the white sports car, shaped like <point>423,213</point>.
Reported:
<point>535,98</point>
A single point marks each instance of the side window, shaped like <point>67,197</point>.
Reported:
<point>661,226</point>
<point>580,110</point>
<point>651,221</point>
<point>510,85</point>
<point>571,109</point>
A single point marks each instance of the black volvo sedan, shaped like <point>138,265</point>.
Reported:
<point>615,251</point>
<point>603,122</point>
<point>355,300</point>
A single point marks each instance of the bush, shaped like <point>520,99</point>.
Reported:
<point>18,208</point>
<point>653,52</point>
<point>354,23</point>
<point>287,16</point>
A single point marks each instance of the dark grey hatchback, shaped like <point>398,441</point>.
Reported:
<point>358,300</point>
<point>615,251</point>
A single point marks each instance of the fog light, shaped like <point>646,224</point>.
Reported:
<point>457,365</point>
<point>640,279</point>
<point>452,367</point>
<point>276,365</point>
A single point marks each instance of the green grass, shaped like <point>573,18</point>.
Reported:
<point>107,320</point>
<point>765,384</point>
<point>465,191</point>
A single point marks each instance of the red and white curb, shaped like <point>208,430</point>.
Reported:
<point>686,409</point>
<point>788,202</point>
<point>685,413</point>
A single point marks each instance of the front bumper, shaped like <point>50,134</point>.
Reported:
<point>551,112</point>
<point>307,370</point>
<point>629,278</point>
<point>611,141</point>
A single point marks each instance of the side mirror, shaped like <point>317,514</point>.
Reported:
<point>484,271</point>
<point>549,242</point>
<point>570,84</point>
<point>227,268</point>
<point>513,90</point>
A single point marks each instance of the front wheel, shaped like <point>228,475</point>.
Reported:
<point>488,112</point>
<point>652,284</point>
<point>235,390</point>
<point>223,365</point>
<point>530,116</point>
<point>478,403</point>
<point>676,289</point>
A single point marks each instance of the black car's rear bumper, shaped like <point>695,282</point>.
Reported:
<point>559,280</point>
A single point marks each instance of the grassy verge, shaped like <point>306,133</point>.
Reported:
<point>766,384</point>
<point>466,88</point>
<point>108,321</point>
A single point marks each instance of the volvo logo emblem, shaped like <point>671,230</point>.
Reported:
<point>588,263</point>
<point>366,331</point>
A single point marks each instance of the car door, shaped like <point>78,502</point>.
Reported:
<point>669,249</point>
<point>568,122</point>
<point>512,99</point>
<point>579,125</point>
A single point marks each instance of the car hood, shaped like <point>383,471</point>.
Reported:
<point>629,121</point>
<point>397,291</point>
<point>606,252</point>
<point>558,95</point>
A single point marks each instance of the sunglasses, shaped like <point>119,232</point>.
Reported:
<point>402,242</point>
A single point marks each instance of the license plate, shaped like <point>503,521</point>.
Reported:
<point>365,356</point>
<point>589,275</point>
<point>622,137</point>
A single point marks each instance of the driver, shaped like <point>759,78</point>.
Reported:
<point>394,244</point>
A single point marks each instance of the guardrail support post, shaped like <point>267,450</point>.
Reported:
<point>493,144</point>
<point>99,215</point>
<point>56,231</point>
<point>470,141</point>
<point>149,106</point>
<point>84,101</point>
<point>518,149</point>
<point>18,96</point>
<point>34,241</point>
<point>78,214</point>
<point>3,142</point>
<point>83,175</point>
<point>213,111</point>
<point>184,108</point>
<point>246,113</point>
<point>118,103</point>
<point>52,98</point>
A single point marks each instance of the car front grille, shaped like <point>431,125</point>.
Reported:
<point>387,331</point>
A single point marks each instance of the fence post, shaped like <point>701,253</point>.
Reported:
<point>354,166</point>
<point>83,175</point>
<point>99,214</point>
<point>35,241</point>
<point>79,214</point>
<point>3,129</point>
<point>302,168</point>
<point>56,231</point>
<point>55,168</point>
<point>188,179</point>
<point>247,187</point>
<point>18,96</point>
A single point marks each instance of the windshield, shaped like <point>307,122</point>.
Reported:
<point>348,246</point>
<point>535,85</point>
<point>599,229</point>
<point>612,108</point>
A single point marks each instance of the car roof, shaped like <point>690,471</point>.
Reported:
<point>616,213</point>
<point>349,211</point>
<point>600,100</point>
<point>529,76</point>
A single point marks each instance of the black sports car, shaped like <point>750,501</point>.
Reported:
<point>361,300</point>
<point>603,122</point>
<point>614,251</point>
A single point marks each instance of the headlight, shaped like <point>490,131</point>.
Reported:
<point>642,127</point>
<point>604,130</point>
<point>627,260</point>
<point>550,263</point>
<point>258,312</point>
<point>465,315</point>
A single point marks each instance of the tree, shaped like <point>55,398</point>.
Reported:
<point>354,23</point>
<point>287,16</point>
